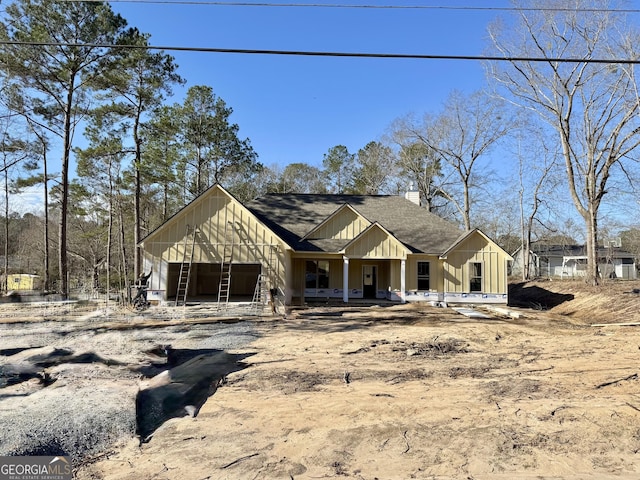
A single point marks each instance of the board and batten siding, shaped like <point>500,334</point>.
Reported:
<point>376,244</point>
<point>457,269</point>
<point>345,224</point>
<point>436,283</point>
<point>210,214</point>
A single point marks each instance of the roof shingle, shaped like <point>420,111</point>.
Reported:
<point>292,216</point>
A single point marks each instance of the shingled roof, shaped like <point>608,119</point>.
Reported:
<point>292,216</point>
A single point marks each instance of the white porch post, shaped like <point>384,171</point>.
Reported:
<point>403,272</point>
<point>345,280</point>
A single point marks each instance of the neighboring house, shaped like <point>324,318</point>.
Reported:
<point>570,261</point>
<point>323,246</point>
<point>23,282</point>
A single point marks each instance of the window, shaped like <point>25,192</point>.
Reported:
<point>423,276</point>
<point>317,274</point>
<point>475,277</point>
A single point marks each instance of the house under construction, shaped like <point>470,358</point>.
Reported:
<point>319,246</point>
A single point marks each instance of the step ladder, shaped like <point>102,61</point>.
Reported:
<point>185,266</point>
<point>225,268</point>
<point>261,294</point>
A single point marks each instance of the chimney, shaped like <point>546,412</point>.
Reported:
<point>412,195</point>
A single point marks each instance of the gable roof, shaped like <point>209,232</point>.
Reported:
<point>214,189</point>
<point>393,247</point>
<point>345,207</point>
<point>468,234</point>
<point>292,216</point>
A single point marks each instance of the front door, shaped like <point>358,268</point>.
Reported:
<point>369,281</point>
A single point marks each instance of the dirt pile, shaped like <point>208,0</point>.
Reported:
<point>611,302</point>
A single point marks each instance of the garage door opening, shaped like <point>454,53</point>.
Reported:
<point>205,280</point>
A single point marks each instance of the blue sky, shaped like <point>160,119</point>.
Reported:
<point>294,109</point>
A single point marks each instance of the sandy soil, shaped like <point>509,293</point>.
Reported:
<point>414,391</point>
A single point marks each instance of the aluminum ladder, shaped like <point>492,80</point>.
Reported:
<point>260,295</point>
<point>185,267</point>
<point>265,281</point>
<point>225,267</point>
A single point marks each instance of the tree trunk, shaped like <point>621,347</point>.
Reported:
<point>165,202</point>
<point>6,226</point>
<point>123,250</point>
<point>138,190</point>
<point>199,173</point>
<point>64,198</point>
<point>109,231</point>
<point>525,246</point>
<point>45,182</point>
<point>467,207</point>
<point>593,273</point>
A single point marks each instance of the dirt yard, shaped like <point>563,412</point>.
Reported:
<point>392,392</point>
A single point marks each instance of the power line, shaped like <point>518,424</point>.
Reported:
<point>302,53</point>
<point>380,7</point>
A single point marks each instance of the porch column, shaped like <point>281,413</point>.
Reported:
<point>345,279</point>
<point>402,279</point>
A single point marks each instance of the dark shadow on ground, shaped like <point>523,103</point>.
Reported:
<point>27,363</point>
<point>189,378</point>
<point>533,296</point>
<point>7,352</point>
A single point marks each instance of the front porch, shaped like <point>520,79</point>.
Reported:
<point>347,279</point>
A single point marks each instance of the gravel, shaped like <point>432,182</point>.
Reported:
<point>81,409</point>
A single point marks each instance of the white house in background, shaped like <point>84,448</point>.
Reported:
<point>570,261</point>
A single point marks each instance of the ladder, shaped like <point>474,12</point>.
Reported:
<point>185,266</point>
<point>265,281</point>
<point>225,267</point>
<point>260,295</point>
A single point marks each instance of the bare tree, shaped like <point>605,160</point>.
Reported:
<point>537,180</point>
<point>592,106</point>
<point>419,164</point>
<point>465,131</point>
<point>298,178</point>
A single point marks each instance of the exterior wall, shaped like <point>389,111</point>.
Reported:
<point>159,276</point>
<point>436,280</point>
<point>345,225</point>
<point>23,282</point>
<point>457,269</point>
<point>211,215</point>
<point>253,243</point>
<point>376,243</point>
<point>517,266</point>
<point>383,277</point>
